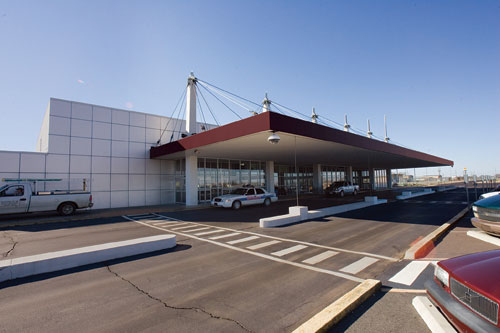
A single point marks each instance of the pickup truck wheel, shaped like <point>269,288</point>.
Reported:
<point>66,209</point>
<point>341,194</point>
<point>355,192</point>
<point>267,202</point>
<point>236,205</point>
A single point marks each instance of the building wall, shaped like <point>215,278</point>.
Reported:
<point>107,147</point>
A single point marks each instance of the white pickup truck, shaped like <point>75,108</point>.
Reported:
<point>21,197</point>
<point>341,188</point>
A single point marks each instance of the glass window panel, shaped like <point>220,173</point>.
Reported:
<point>245,172</point>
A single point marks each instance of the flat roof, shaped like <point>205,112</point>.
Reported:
<point>246,139</point>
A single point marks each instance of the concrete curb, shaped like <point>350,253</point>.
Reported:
<point>426,244</point>
<point>405,195</point>
<point>334,312</point>
<point>431,315</point>
<point>55,261</point>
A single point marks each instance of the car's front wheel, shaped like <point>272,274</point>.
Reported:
<point>341,194</point>
<point>267,202</point>
<point>355,192</point>
<point>236,205</point>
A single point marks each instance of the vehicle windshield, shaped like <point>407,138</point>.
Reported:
<point>2,187</point>
<point>240,191</point>
<point>337,184</point>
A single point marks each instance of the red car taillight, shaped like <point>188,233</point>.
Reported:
<point>90,198</point>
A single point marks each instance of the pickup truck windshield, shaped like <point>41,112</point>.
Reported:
<point>337,184</point>
<point>239,191</point>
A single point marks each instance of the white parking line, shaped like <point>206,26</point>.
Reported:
<point>409,274</point>
<point>209,232</point>
<point>320,257</point>
<point>225,236</point>
<point>261,245</point>
<point>198,229</point>
<point>241,240</point>
<point>359,265</point>
<point>431,315</point>
<point>288,250</point>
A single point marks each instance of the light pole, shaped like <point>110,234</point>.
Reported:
<point>296,171</point>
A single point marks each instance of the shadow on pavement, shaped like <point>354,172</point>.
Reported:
<point>65,225</point>
<point>351,318</point>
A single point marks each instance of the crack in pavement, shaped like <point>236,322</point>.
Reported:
<point>14,243</point>
<point>177,307</point>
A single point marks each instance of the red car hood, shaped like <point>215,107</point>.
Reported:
<point>480,271</point>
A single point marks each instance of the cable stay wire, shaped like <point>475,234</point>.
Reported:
<point>180,122</point>
<point>209,108</point>
<point>228,92</point>
<point>177,120</point>
<point>246,107</point>
<point>213,88</point>
<point>290,109</point>
<point>171,116</point>
<point>201,110</point>
<point>217,98</point>
<point>281,111</point>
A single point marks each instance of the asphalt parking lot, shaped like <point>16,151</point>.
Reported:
<point>226,274</point>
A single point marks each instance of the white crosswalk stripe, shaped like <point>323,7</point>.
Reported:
<point>225,236</point>
<point>198,229</point>
<point>320,257</point>
<point>409,274</point>
<point>209,232</point>
<point>261,245</point>
<point>290,246</point>
<point>359,265</point>
<point>288,250</point>
<point>173,224</point>
<point>168,223</point>
<point>241,240</point>
<point>185,227</point>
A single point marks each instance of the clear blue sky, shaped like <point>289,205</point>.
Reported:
<point>433,67</point>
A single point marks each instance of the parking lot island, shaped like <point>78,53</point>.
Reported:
<point>55,261</point>
<point>301,213</point>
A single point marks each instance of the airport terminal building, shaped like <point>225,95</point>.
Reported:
<point>129,158</point>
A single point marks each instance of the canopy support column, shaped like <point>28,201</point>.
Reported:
<point>388,175</point>
<point>191,179</point>
<point>270,176</point>
<point>317,179</point>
